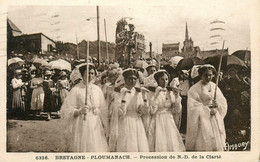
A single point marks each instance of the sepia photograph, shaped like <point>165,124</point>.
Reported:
<point>128,78</point>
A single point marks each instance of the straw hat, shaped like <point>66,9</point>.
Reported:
<point>48,72</point>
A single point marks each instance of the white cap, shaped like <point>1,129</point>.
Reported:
<point>175,60</point>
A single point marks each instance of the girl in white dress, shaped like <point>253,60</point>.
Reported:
<point>149,83</point>
<point>131,132</point>
<point>86,123</point>
<point>205,125</point>
<point>163,135</point>
<point>63,87</point>
<point>17,85</point>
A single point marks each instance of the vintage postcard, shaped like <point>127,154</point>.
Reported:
<point>129,80</point>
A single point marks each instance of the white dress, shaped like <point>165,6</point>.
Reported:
<point>205,132</point>
<point>163,135</point>
<point>146,117</point>
<point>131,133</point>
<point>17,102</point>
<point>37,100</point>
<point>114,102</point>
<point>86,135</point>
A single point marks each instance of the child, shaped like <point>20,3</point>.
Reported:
<point>63,87</point>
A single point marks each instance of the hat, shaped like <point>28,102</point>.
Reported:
<point>175,60</point>
<point>112,73</point>
<point>48,72</point>
<point>157,74</point>
<point>32,68</point>
<point>207,65</point>
<point>62,73</point>
<point>85,64</point>
<point>75,75</point>
<point>83,67</point>
<point>130,71</point>
<point>195,69</point>
<point>18,71</point>
<point>151,65</point>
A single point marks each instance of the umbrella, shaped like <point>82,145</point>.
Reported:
<point>39,61</point>
<point>227,60</point>
<point>188,63</point>
<point>140,64</point>
<point>60,64</point>
<point>168,68</point>
<point>244,55</point>
<point>15,60</point>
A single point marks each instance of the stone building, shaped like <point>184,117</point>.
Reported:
<point>188,43</point>
<point>170,50</point>
<point>35,43</point>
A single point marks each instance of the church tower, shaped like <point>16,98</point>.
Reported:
<point>188,43</point>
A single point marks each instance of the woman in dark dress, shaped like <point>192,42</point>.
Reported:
<point>49,100</point>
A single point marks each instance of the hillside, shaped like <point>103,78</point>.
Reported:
<point>71,49</point>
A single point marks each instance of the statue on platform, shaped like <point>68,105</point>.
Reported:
<point>121,37</point>
<point>129,44</point>
<point>125,42</point>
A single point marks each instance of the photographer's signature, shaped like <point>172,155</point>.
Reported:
<point>236,146</point>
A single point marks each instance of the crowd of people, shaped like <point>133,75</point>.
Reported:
<point>137,109</point>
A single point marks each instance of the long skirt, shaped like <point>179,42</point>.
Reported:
<point>164,135</point>
<point>37,99</point>
<point>88,135</point>
<point>49,101</point>
<point>17,102</point>
<point>63,94</point>
<point>131,135</point>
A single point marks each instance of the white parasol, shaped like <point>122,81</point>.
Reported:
<point>15,60</point>
<point>60,64</point>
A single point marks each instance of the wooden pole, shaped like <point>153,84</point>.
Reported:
<point>150,44</point>
<point>86,97</point>
<point>106,39</point>
<point>218,72</point>
<point>98,37</point>
<point>77,47</point>
<point>213,117</point>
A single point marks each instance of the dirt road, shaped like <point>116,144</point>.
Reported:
<point>48,136</point>
<point>35,136</point>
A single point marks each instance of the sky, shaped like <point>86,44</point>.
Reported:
<point>159,24</point>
